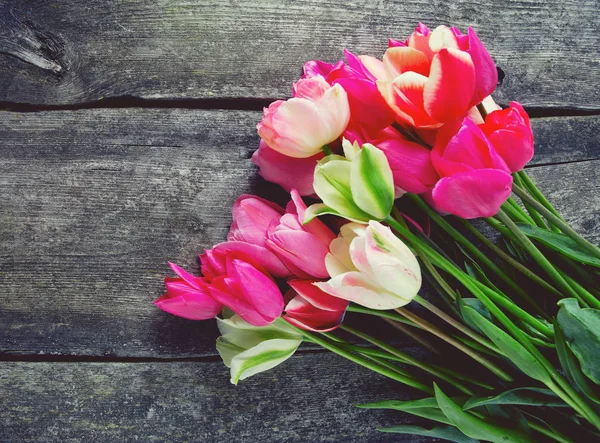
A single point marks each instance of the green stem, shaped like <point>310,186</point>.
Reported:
<point>587,296</point>
<point>406,358</point>
<point>578,403</point>
<point>456,343</point>
<point>473,250</point>
<point>416,337</point>
<point>333,347</point>
<point>533,189</point>
<point>532,212</point>
<point>511,261</point>
<point>517,214</point>
<point>383,314</point>
<point>535,253</point>
<point>556,221</point>
<point>548,433</point>
<point>456,324</point>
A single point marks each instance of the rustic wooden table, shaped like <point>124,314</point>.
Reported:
<point>125,135</point>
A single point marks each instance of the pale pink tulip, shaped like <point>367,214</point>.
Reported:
<point>188,296</point>
<point>287,172</point>
<point>372,267</point>
<point>311,309</point>
<point>510,133</point>
<point>301,126</point>
<point>249,292</point>
<point>301,247</point>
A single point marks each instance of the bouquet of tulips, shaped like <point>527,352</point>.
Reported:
<point>399,155</point>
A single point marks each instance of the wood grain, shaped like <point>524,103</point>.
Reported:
<point>69,52</point>
<point>95,202</point>
<point>179,402</point>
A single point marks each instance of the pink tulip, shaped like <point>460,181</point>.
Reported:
<point>287,172</point>
<point>435,77</point>
<point>475,180</point>
<point>510,133</point>
<point>214,261</point>
<point>311,309</point>
<point>188,296</point>
<point>301,247</point>
<point>251,218</point>
<point>248,291</point>
<point>316,115</point>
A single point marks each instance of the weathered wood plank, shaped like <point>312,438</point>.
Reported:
<point>307,399</point>
<point>66,51</point>
<point>95,202</point>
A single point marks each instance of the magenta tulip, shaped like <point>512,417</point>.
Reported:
<point>214,261</point>
<point>301,247</point>
<point>435,77</point>
<point>475,180</point>
<point>316,115</point>
<point>311,309</point>
<point>510,133</point>
<point>287,172</point>
<point>248,291</point>
<point>188,296</point>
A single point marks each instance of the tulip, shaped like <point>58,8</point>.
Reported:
<point>288,172</point>
<point>510,133</point>
<point>370,266</point>
<point>188,297</point>
<point>251,218</point>
<point>475,179</point>
<point>358,187</point>
<point>248,350</point>
<point>435,77</point>
<point>316,115</point>
<point>302,248</point>
<point>311,309</point>
<point>214,260</point>
<point>248,291</point>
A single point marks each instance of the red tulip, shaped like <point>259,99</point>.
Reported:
<point>510,133</point>
<point>311,309</point>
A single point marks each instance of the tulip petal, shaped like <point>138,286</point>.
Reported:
<point>473,194</point>
<point>449,89</point>
<point>354,287</point>
<point>187,277</point>
<point>257,255</point>
<point>399,59</point>
<point>405,96</point>
<point>485,69</point>
<point>294,247</point>
<point>316,297</point>
<point>372,182</point>
<point>316,227</point>
<point>191,305</point>
<point>251,217</point>
<point>288,172</point>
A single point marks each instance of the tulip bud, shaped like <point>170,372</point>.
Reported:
<point>248,350</point>
<point>358,187</point>
<point>372,267</point>
<point>312,309</point>
<point>316,115</point>
<point>188,296</point>
<point>251,218</point>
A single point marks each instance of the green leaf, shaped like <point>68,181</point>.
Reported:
<point>570,366</point>
<point>581,328</point>
<point>426,408</point>
<point>560,243</point>
<point>518,396</point>
<point>449,433</point>
<point>475,427</point>
<point>511,348</point>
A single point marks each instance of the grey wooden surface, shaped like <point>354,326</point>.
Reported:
<point>102,183</point>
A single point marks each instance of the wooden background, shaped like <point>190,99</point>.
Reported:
<point>126,129</point>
